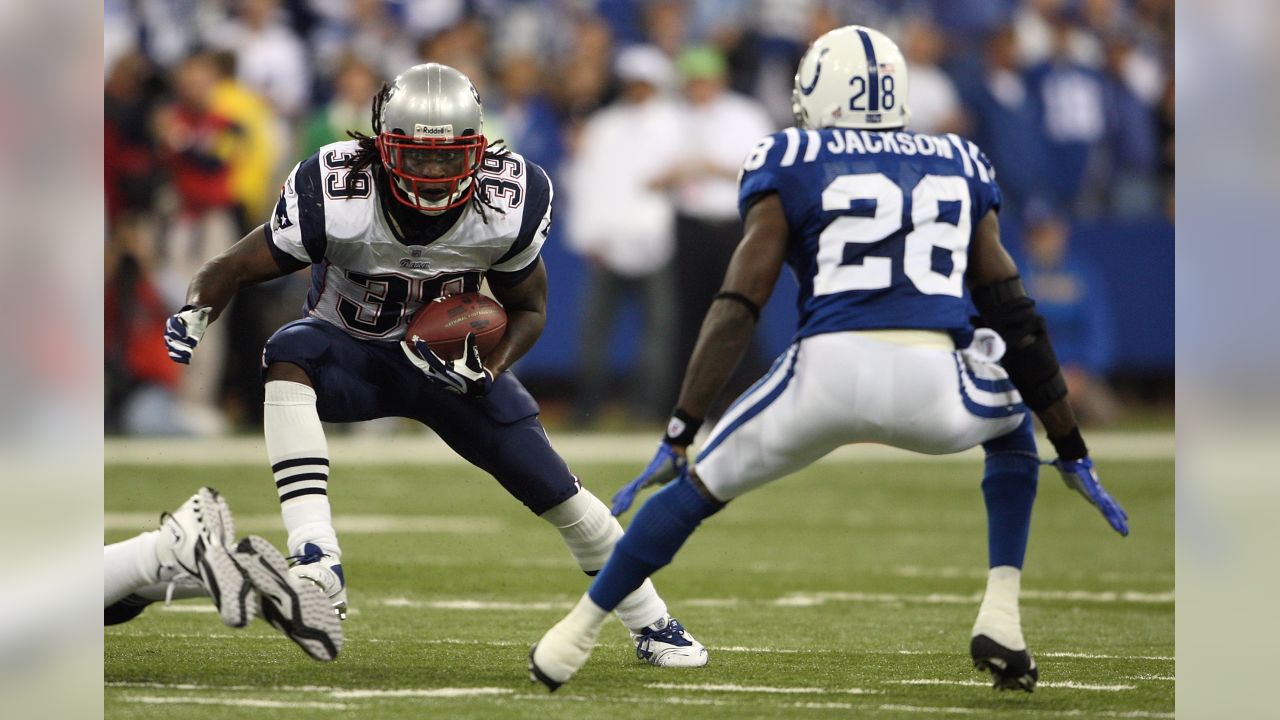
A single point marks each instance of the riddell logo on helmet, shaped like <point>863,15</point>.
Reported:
<point>421,131</point>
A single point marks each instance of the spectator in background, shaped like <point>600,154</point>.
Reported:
<point>623,224</point>
<point>463,45</point>
<point>269,59</point>
<point>583,75</point>
<point>255,168</point>
<point>350,108</point>
<point>1132,148</point>
<point>1069,99</point>
<point>366,29</point>
<point>935,102</point>
<point>196,146</point>
<point>1005,122</point>
<point>254,162</point>
<point>1070,294</point>
<point>720,128</point>
<point>140,384</point>
<point>528,120</point>
<point>128,153</point>
<point>666,25</point>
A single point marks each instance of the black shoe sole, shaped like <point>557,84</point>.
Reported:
<point>304,615</point>
<point>1010,669</point>
<point>536,674</point>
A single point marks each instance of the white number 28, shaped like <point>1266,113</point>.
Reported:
<point>876,272</point>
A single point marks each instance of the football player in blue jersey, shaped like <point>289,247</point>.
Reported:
<point>425,208</point>
<point>891,235</point>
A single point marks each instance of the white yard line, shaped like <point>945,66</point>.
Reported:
<point>1096,656</point>
<point>1068,684</point>
<point>243,702</point>
<point>801,599</point>
<point>711,687</point>
<point>426,449</point>
<point>350,524</point>
<point>422,693</point>
<point>935,710</point>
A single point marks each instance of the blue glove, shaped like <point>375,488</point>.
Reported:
<point>464,376</point>
<point>666,465</point>
<point>1080,476</point>
<point>184,330</point>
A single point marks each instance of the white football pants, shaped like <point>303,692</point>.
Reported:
<point>906,389</point>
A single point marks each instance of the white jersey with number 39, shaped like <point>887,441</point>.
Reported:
<point>364,278</point>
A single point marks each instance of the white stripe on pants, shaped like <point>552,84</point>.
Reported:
<point>839,388</point>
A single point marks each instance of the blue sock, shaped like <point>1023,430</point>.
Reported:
<point>1009,489</point>
<point>651,541</point>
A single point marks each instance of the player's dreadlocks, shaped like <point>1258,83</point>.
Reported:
<point>367,156</point>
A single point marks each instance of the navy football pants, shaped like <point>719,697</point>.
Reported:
<point>365,379</point>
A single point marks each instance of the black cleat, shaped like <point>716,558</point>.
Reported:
<point>536,674</point>
<point>1010,669</point>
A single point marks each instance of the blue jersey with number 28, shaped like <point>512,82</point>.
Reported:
<point>880,223</point>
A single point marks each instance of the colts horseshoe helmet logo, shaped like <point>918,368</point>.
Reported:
<point>817,73</point>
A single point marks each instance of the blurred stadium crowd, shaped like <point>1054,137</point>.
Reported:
<point>641,112</point>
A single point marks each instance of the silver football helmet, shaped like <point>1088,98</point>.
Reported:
<point>430,127</point>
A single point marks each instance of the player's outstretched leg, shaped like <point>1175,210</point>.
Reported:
<point>193,540</point>
<point>658,531</point>
<point>590,531</point>
<point>1009,489</point>
<point>290,604</point>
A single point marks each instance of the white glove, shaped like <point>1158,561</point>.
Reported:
<point>184,330</point>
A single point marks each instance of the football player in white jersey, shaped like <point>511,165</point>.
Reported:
<point>425,208</point>
<point>890,234</point>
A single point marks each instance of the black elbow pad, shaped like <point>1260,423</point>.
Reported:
<point>1029,358</point>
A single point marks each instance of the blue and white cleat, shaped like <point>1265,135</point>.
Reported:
<point>292,605</point>
<point>666,643</point>
<point>325,571</point>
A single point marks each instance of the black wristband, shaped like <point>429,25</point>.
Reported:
<point>742,300</point>
<point>1070,446</point>
<point>681,428</point>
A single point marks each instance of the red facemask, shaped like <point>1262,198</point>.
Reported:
<point>430,174</point>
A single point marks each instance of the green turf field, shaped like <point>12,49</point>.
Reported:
<point>847,590</point>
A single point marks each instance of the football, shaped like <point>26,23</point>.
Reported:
<point>444,323</point>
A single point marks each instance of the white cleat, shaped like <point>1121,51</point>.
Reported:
<point>560,654</point>
<point>325,572</point>
<point>666,643</point>
<point>290,604</point>
<point>193,542</point>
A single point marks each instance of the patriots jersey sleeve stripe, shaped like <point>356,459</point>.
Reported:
<point>311,210</point>
<point>535,224</point>
<point>286,262</point>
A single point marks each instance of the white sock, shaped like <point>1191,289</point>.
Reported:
<point>128,566</point>
<point>299,459</point>
<point>590,532</point>
<point>585,620</point>
<point>998,617</point>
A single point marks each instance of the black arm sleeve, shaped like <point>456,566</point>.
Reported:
<point>1030,360</point>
